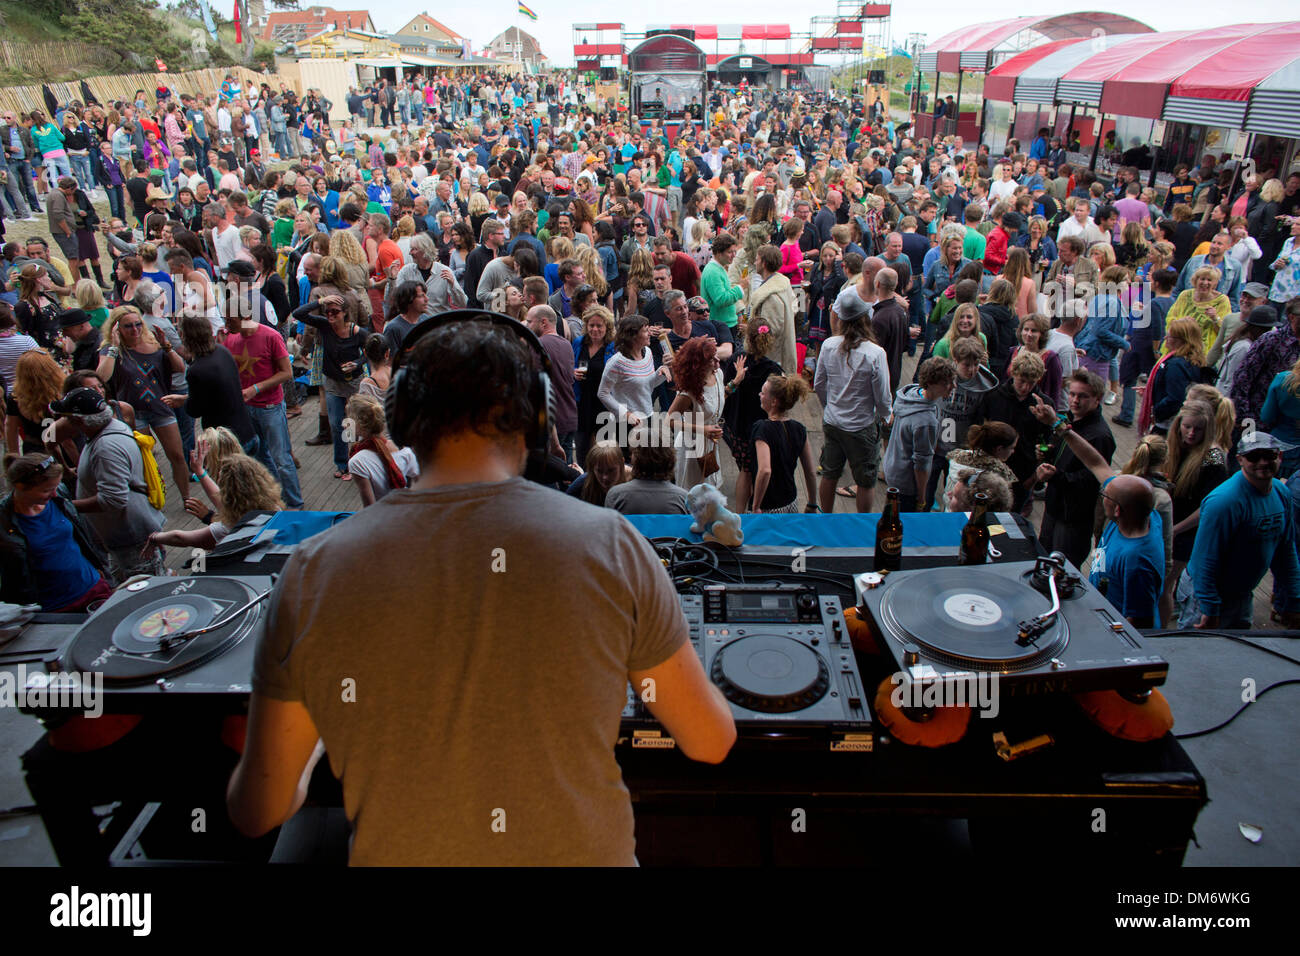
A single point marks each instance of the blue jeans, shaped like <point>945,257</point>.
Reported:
<point>22,169</point>
<point>115,206</point>
<point>1128,404</point>
<point>14,196</point>
<point>338,410</point>
<point>282,143</point>
<point>58,166</point>
<point>916,316</point>
<point>275,450</point>
<point>81,169</point>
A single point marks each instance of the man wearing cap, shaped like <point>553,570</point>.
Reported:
<point>1252,294</point>
<point>111,489</point>
<point>1246,529</point>
<point>80,340</point>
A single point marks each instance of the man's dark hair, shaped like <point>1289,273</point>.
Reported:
<point>723,243</point>
<point>404,295</point>
<point>1164,279</point>
<point>1090,379</point>
<point>936,371</point>
<point>466,376</point>
<point>654,462</point>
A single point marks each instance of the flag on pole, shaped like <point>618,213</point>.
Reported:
<point>239,30</point>
<point>525,11</point>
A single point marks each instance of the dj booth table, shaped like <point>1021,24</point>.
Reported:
<point>1089,794</point>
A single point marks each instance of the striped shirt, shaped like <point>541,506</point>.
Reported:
<point>627,384</point>
<point>12,347</point>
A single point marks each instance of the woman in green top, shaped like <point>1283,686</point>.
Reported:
<point>49,143</point>
<point>965,323</point>
<point>282,231</point>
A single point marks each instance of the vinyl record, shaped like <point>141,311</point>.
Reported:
<point>968,617</point>
<point>124,639</point>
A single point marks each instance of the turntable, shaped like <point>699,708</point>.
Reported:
<point>1036,624</point>
<point>782,658</point>
<point>189,638</point>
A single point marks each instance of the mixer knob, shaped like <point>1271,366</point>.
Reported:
<point>807,601</point>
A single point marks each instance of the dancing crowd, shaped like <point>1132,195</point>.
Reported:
<point>710,274</point>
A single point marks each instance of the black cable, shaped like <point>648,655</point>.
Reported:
<point>1228,636</point>
<point>1216,727</point>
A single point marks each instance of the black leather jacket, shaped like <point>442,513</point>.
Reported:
<point>16,583</point>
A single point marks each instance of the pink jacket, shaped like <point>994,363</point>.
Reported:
<point>792,262</point>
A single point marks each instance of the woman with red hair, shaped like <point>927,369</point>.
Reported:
<point>698,411</point>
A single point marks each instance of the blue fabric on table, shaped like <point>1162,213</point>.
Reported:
<point>815,530</point>
<point>293,527</point>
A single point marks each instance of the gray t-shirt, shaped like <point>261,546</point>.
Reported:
<point>112,468</point>
<point>481,732</point>
<point>641,496</point>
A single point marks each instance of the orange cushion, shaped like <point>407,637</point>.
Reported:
<point>860,631</point>
<point>947,725</point>
<point>1149,720</point>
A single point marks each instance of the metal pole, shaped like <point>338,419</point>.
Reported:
<point>956,103</point>
<point>1096,140</point>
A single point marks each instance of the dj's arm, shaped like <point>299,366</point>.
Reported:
<point>280,752</point>
<point>690,707</point>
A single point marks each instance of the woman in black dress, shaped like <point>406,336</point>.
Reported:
<point>743,408</point>
<point>215,394</point>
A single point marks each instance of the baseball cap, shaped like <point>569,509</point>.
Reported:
<point>502,199</point>
<point>1253,441</point>
<point>1256,290</point>
<point>79,401</point>
<point>254,152</point>
<point>70,318</point>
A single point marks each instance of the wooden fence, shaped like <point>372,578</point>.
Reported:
<point>122,86</point>
<point>40,58</point>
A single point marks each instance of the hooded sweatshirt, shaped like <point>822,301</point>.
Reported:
<point>961,407</point>
<point>913,439</point>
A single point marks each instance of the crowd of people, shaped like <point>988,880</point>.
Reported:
<point>707,274</point>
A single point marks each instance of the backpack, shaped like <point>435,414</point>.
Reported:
<point>154,488</point>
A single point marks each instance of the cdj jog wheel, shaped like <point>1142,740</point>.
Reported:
<point>967,617</point>
<point>770,673</point>
<point>124,640</point>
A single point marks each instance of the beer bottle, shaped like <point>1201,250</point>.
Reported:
<point>889,535</point>
<point>974,547</point>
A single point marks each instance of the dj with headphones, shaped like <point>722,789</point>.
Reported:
<point>461,650</point>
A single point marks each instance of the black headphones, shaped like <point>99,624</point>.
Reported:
<point>407,390</point>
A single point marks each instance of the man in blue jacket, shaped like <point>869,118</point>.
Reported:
<point>1246,528</point>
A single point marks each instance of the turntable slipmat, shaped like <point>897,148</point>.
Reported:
<point>123,641</point>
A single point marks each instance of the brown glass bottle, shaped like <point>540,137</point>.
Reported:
<point>889,535</point>
<point>974,547</point>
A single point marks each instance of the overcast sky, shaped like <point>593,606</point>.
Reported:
<point>483,20</point>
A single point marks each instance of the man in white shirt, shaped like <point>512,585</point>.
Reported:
<point>1004,187</point>
<point>1080,224</point>
<point>1061,341</point>
<point>223,121</point>
<point>225,235</point>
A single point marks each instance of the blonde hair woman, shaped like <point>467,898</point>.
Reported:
<point>137,367</point>
<point>1197,465</point>
<point>640,278</point>
<point>594,269</point>
<point>1204,303</point>
<point>90,297</point>
<point>245,487</point>
<point>38,380</point>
